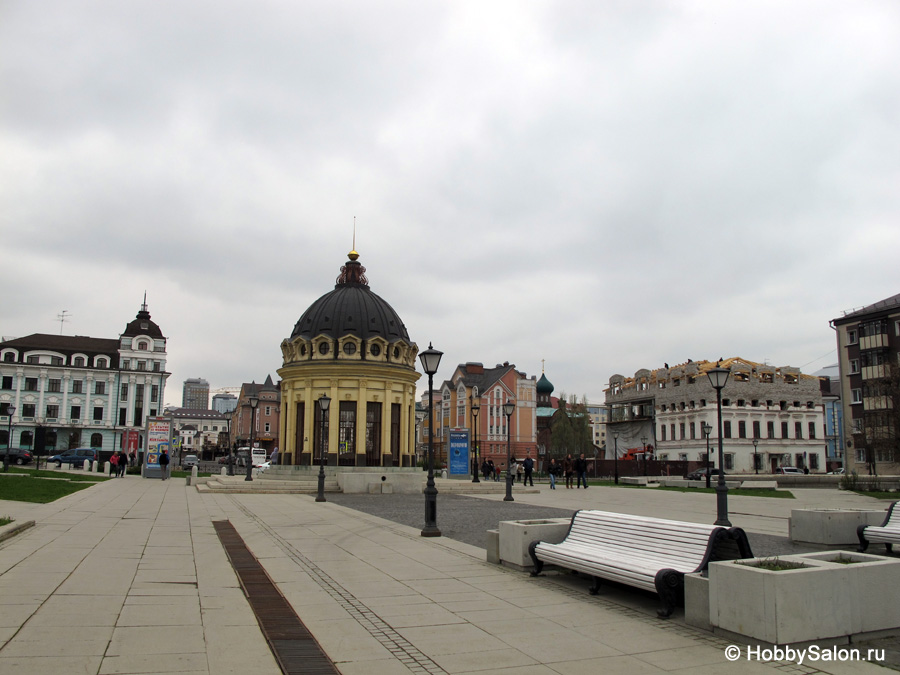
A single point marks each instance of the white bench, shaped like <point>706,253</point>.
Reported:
<point>648,553</point>
<point>888,533</point>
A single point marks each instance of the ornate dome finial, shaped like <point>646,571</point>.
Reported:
<point>353,255</point>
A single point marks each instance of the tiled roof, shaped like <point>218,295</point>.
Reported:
<point>65,344</point>
<point>892,302</point>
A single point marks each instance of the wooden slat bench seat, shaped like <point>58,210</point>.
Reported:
<point>649,553</point>
<point>888,533</point>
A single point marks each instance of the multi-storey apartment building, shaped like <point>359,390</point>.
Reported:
<point>198,432</point>
<point>491,388</point>
<point>663,412</point>
<point>266,421</point>
<point>73,391</point>
<point>195,394</point>
<point>868,342</point>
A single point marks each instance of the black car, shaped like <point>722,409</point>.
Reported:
<point>16,455</point>
<point>700,474</point>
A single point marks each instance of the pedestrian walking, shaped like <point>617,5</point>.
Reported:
<point>552,468</point>
<point>519,472</point>
<point>114,465</point>
<point>581,471</point>
<point>528,465</point>
<point>123,462</point>
<point>274,457</point>
<point>164,464</point>
<point>511,471</point>
<point>567,469</point>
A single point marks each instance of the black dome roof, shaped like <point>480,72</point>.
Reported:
<point>351,309</point>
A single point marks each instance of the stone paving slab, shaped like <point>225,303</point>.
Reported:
<point>141,560</point>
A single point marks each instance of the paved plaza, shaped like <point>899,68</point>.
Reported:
<point>130,576</point>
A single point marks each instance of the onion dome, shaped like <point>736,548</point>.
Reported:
<point>543,386</point>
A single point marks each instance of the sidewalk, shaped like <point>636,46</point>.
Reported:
<point>130,577</point>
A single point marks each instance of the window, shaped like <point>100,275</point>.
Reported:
<point>156,366</point>
<point>32,360</point>
<point>98,414</point>
<point>854,366</point>
<point>9,357</point>
<point>99,387</point>
<point>784,430</point>
<point>126,364</point>
<point>31,384</point>
<point>770,429</point>
<point>852,336</point>
<point>76,412</point>
<point>726,426</point>
<point>812,430</point>
<point>56,361</point>
<point>798,429</point>
<point>102,363</point>
<point>268,410</point>
<point>7,382</point>
<point>662,432</point>
<point>814,461</point>
<point>28,410</point>
<point>681,428</point>
<point>52,410</point>
<point>756,426</point>
<point>673,431</point>
<point>124,395</point>
<point>142,346</point>
<point>855,394</point>
<point>742,429</point>
<point>269,426</point>
<point>693,430</point>
<point>78,362</point>
<point>142,365</point>
<point>729,461</point>
<point>154,393</point>
<point>77,386</point>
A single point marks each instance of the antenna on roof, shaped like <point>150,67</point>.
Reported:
<point>144,306</point>
<point>354,233</point>
<point>62,318</point>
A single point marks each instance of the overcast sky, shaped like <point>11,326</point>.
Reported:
<point>607,185</point>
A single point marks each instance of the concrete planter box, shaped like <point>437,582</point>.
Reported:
<point>517,535</point>
<point>780,607</point>
<point>831,527</point>
<point>696,600</point>
<point>826,599</point>
<point>873,608</point>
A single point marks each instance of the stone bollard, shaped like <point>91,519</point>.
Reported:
<point>223,471</point>
<point>194,471</point>
<point>87,465</point>
<point>106,466</point>
<point>443,473</point>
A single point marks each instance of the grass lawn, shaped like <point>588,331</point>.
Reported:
<point>738,492</point>
<point>5,521</point>
<point>61,475</point>
<point>879,494</point>
<point>38,490</point>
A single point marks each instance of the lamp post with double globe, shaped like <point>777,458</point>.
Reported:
<point>324,405</point>
<point>254,401</point>
<point>508,409</point>
<point>718,377</point>
<point>475,409</point>
<point>431,360</point>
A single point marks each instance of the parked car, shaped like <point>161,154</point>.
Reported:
<point>789,471</point>
<point>75,456</point>
<point>16,455</point>
<point>836,472</point>
<point>189,461</point>
<point>700,474</point>
<point>262,467</point>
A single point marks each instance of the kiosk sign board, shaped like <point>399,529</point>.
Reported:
<point>158,430</point>
<point>459,452</point>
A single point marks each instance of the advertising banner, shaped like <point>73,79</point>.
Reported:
<point>459,452</point>
<point>130,440</point>
<point>157,439</point>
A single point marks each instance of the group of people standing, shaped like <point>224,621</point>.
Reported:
<point>117,464</point>
<point>517,470</point>
<point>569,468</point>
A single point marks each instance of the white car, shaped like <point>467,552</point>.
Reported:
<point>262,467</point>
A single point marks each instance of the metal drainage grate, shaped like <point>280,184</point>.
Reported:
<point>295,649</point>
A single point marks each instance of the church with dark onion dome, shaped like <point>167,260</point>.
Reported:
<point>352,346</point>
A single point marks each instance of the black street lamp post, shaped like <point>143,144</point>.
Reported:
<point>718,377</point>
<point>230,446</point>
<point>508,409</point>
<point>707,430</point>
<point>475,409</point>
<point>644,453</point>
<point>254,401</point>
<point>324,405</point>
<point>755,456</point>
<point>615,435</point>
<point>431,360</point>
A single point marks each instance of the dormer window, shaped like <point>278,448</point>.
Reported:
<point>142,346</point>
